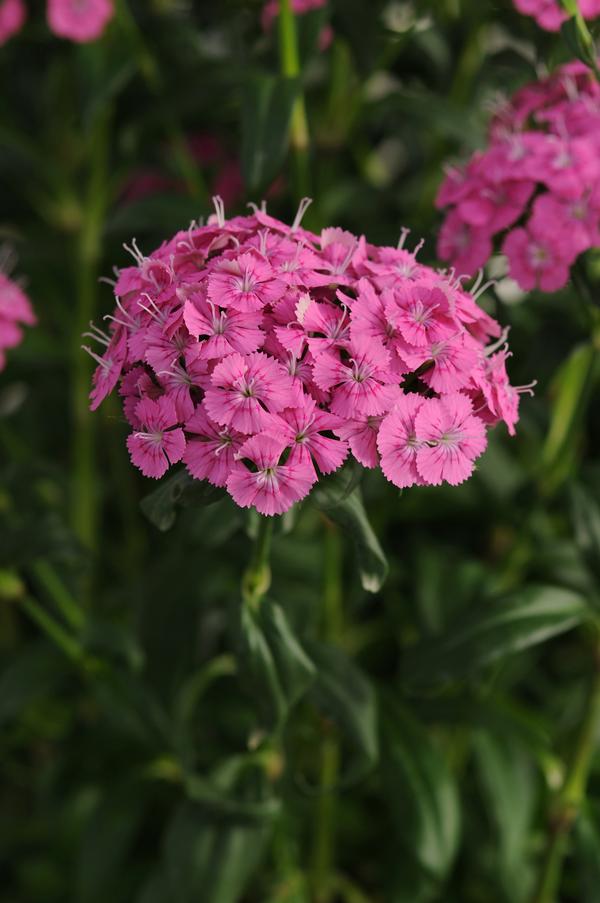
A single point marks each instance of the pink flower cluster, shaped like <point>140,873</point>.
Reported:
<point>15,309</point>
<point>79,20</point>
<point>550,15</point>
<point>539,178</point>
<point>261,355</point>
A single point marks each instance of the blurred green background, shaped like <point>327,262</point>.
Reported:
<point>137,759</point>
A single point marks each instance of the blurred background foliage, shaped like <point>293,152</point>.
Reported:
<point>428,742</point>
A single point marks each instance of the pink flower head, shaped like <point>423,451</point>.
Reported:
<point>211,450</point>
<point>159,444</point>
<point>450,437</point>
<point>12,18</point>
<point>268,485</point>
<point>550,15</point>
<point>262,355</point>
<point>15,309</point>
<point>398,443</point>
<point>535,183</point>
<point>246,389</point>
<point>245,283</point>
<point>81,21</point>
<point>302,429</point>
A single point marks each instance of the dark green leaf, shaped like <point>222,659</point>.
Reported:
<point>340,499</point>
<point>494,629</point>
<point>210,860</point>
<point>33,675</point>
<point>267,105</point>
<point>177,490</point>
<point>107,838</point>
<point>274,666</point>
<point>585,513</point>
<point>421,791</point>
<point>344,694</point>
<point>508,779</point>
<point>587,849</point>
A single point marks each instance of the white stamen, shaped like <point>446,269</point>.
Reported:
<point>106,365</point>
<point>134,251</point>
<point>302,208</point>
<point>219,210</point>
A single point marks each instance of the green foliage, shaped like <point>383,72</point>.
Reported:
<point>404,714</point>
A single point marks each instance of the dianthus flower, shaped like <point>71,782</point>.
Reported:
<point>15,310</point>
<point>550,15</point>
<point>537,184</point>
<point>262,355</point>
<point>81,21</point>
<point>12,18</point>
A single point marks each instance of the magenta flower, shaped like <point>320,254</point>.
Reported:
<point>550,15</point>
<point>451,438</point>
<point>160,443</point>
<point>12,18</point>
<point>302,428</point>
<point>15,309</point>
<point>245,390</point>
<point>271,487</point>
<point>537,179</point>
<point>246,283</point>
<point>81,21</point>
<point>211,450</point>
<point>262,355</point>
<point>398,443</point>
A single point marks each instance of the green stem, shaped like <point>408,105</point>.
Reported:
<point>323,854</point>
<point>290,68</point>
<point>257,578</point>
<point>84,514</point>
<point>585,41</point>
<point>572,794</point>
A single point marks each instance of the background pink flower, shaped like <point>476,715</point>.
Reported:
<point>81,21</point>
<point>12,18</point>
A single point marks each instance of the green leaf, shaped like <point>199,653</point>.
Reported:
<point>340,499</point>
<point>210,860</point>
<point>573,385</point>
<point>343,693</point>
<point>508,780</point>
<point>107,838</point>
<point>585,513</point>
<point>577,36</point>
<point>267,104</point>
<point>34,674</point>
<point>420,790</point>
<point>177,490</point>
<point>587,850</point>
<point>273,664</point>
<point>494,629</point>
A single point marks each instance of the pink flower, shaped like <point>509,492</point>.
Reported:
<point>245,283</point>
<point>302,429</point>
<point>15,309</point>
<point>79,20</point>
<point>537,260</point>
<point>271,487</point>
<point>12,18</point>
<point>161,443</point>
<point>464,246</point>
<point>549,13</point>
<point>450,438</point>
<point>211,451</point>
<point>537,178</point>
<point>358,386</point>
<point>398,443</point>
<point>223,331</point>
<point>345,330</point>
<point>245,390</point>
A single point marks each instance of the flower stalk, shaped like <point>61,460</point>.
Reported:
<point>257,577</point>
<point>567,805</point>
<point>290,68</point>
<point>323,854</point>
